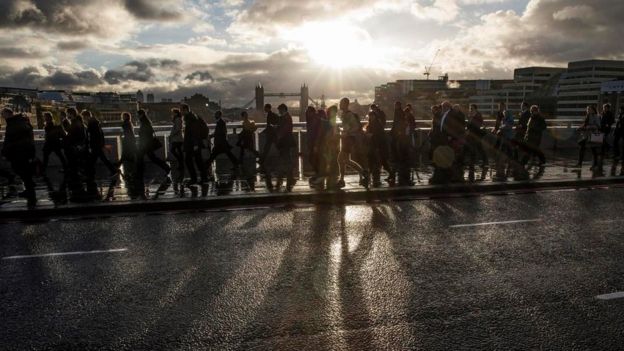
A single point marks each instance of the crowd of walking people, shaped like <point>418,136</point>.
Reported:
<point>458,140</point>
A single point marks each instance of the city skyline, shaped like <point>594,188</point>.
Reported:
<point>222,49</point>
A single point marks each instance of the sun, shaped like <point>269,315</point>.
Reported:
<point>336,45</point>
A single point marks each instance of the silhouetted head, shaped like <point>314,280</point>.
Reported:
<point>282,109</point>
<point>534,109</point>
<point>141,113</point>
<point>310,111</point>
<point>126,117</point>
<point>47,117</point>
<point>591,109</point>
<point>398,105</point>
<point>218,114</point>
<point>185,108</point>
<point>344,104</point>
<point>446,106</point>
<point>176,113</point>
<point>72,112</point>
<point>244,115</point>
<point>7,113</point>
<point>473,108</point>
<point>63,115</point>
<point>267,108</point>
<point>502,106</point>
<point>86,114</point>
<point>524,106</point>
<point>332,112</point>
<point>606,107</point>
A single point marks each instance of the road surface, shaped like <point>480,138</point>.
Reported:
<point>533,271</point>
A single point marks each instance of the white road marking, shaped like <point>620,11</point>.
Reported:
<point>73,253</point>
<point>611,296</point>
<point>494,223</point>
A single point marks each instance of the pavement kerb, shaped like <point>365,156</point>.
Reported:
<point>335,197</point>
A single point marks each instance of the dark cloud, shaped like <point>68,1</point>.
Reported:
<point>73,79</point>
<point>72,45</point>
<point>17,52</point>
<point>66,16</point>
<point>153,9</point>
<point>200,75</point>
<point>32,77</point>
<point>79,17</point>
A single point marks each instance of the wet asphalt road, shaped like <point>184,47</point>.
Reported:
<point>395,275</point>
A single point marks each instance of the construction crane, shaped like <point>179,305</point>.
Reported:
<point>428,69</point>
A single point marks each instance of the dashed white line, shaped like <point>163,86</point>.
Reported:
<point>73,253</point>
<point>494,223</point>
<point>611,296</point>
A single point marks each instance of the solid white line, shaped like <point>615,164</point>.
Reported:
<point>611,296</point>
<point>494,223</point>
<point>64,254</point>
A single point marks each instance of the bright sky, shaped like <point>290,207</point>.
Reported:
<point>222,48</point>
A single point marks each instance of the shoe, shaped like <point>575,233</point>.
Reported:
<point>340,184</point>
<point>365,181</point>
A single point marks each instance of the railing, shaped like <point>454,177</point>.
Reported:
<point>560,130</point>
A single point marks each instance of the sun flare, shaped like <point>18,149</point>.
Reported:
<point>336,45</point>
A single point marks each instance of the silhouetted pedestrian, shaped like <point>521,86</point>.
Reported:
<point>504,132</point>
<point>97,143</point>
<point>221,144</point>
<point>352,139</point>
<point>400,144</point>
<point>246,137</point>
<point>176,140</point>
<point>148,144</point>
<point>618,138</point>
<point>474,141</point>
<point>194,131</point>
<point>286,146</point>
<point>591,126</point>
<point>270,133</point>
<point>54,135</point>
<point>19,149</point>
<point>312,134</point>
<point>379,155</point>
<point>329,147</point>
<point>77,153</point>
<point>533,138</point>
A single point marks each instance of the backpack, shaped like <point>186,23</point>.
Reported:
<point>203,128</point>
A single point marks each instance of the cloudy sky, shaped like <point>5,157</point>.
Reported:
<point>222,48</point>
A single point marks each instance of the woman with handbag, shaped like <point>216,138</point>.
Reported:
<point>148,143</point>
<point>590,133</point>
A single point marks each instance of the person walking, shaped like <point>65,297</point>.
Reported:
<point>618,137</point>
<point>194,131</point>
<point>352,145</point>
<point>19,149</point>
<point>97,143</point>
<point>607,119</point>
<point>270,134</point>
<point>312,134</point>
<point>379,155</point>
<point>286,146</point>
<point>176,140</point>
<point>221,144</point>
<point>77,152</point>
<point>533,138</point>
<point>400,144</point>
<point>474,142</point>
<point>518,143</point>
<point>128,141</point>
<point>246,137</point>
<point>54,135</point>
<point>148,144</point>
<point>329,147</point>
<point>504,132</point>
<point>591,126</point>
